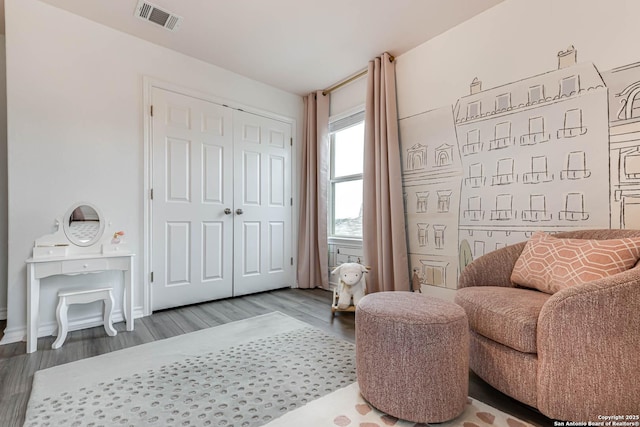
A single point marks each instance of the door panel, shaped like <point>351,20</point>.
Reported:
<point>277,238</point>
<point>207,158</point>
<point>178,171</point>
<point>192,237</point>
<point>178,249</point>
<point>262,190</point>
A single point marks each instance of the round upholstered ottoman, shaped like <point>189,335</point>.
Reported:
<point>412,355</point>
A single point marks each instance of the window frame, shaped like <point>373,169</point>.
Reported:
<point>338,123</point>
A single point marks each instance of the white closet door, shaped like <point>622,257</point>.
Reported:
<point>262,203</point>
<point>192,237</point>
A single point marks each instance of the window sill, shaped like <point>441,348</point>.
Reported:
<point>350,241</point>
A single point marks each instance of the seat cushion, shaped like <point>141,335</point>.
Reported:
<point>508,316</point>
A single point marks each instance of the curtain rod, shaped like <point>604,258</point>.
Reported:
<point>349,80</point>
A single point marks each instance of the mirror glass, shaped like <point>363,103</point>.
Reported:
<point>83,224</point>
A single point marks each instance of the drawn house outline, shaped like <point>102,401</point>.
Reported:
<point>536,94</point>
<point>539,171</point>
<point>476,176</point>
<point>624,139</point>
<point>504,208</point>
<point>444,155</point>
<point>537,209</point>
<point>473,144</point>
<point>576,166</point>
<point>474,109</point>
<point>573,125</point>
<point>574,208</point>
<point>434,272</point>
<point>422,197</point>
<point>537,133</point>
<point>434,193</point>
<point>444,200</point>
<point>479,248</point>
<point>474,210</point>
<point>438,235</point>
<point>504,172</point>
<point>630,105</point>
<point>503,101</point>
<point>417,157</point>
<point>631,163</point>
<point>569,85</point>
<point>502,136</point>
<point>423,234</point>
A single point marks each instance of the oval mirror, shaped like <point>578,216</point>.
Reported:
<point>83,224</point>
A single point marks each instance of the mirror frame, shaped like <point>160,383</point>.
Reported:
<point>67,231</point>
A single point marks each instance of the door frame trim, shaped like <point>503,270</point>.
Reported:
<point>148,84</point>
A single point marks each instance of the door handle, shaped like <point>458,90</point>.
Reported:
<point>239,211</point>
<point>227,211</point>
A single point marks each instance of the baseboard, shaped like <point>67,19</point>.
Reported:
<point>3,313</point>
<point>19,333</point>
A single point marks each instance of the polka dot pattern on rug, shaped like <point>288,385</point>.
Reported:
<point>244,386</point>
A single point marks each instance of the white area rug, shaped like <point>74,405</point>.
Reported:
<point>244,373</point>
<point>268,370</point>
<point>347,408</point>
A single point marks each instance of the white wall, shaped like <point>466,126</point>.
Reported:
<point>3,181</point>
<point>348,97</point>
<point>512,41</point>
<point>75,129</point>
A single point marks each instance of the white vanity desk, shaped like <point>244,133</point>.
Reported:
<point>40,268</point>
<point>73,250</point>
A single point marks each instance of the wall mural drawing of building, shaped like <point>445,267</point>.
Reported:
<point>624,138</point>
<point>555,152</point>
<point>431,185</point>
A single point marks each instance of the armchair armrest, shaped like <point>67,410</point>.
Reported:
<point>588,344</point>
<point>492,269</point>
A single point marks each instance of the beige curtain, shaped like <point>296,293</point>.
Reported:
<point>384,238</point>
<point>313,263</point>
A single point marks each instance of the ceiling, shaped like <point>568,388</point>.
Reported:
<point>295,45</point>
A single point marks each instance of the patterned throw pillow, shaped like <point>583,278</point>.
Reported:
<point>550,264</point>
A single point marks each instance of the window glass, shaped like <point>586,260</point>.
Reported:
<point>348,146</point>
<point>347,206</point>
<point>345,186</point>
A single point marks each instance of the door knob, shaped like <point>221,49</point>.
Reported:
<point>227,211</point>
<point>239,211</point>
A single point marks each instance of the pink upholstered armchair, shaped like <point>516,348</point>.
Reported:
<point>573,355</point>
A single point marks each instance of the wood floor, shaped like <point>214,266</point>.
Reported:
<point>311,306</point>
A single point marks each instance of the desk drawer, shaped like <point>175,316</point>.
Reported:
<point>84,265</point>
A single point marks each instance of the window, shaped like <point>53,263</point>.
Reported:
<point>576,166</point>
<point>438,235</point>
<point>444,201</point>
<point>473,109</point>
<point>503,101</point>
<point>473,144</point>
<point>502,136</point>
<point>572,124</point>
<point>504,172</point>
<point>574,209</point>
<point>569,86</point>
<point>536,94</point>
<point>539,171</point>
<point>345,187</point>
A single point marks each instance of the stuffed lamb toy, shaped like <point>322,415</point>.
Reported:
<point>352,283</point>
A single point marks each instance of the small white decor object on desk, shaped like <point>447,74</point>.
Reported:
<point>117,244</point>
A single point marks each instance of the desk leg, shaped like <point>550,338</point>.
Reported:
<point>128,295</point>
<point>33,306</point>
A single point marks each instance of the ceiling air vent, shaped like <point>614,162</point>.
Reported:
<point>152,13</point>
